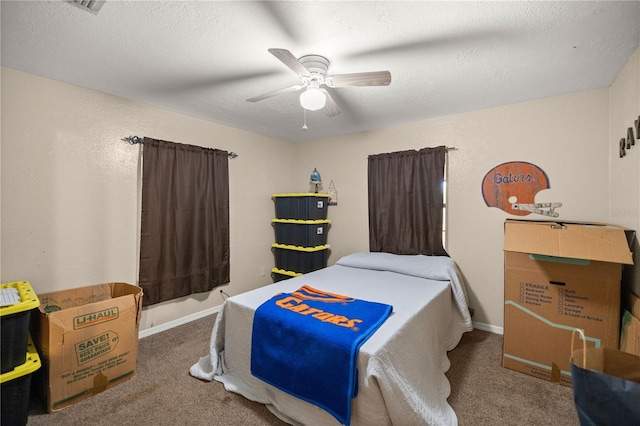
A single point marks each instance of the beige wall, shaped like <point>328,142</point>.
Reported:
<point>566,136</point>
<point>624,189</point>
<point>70,189</point>
<point>70,185</point>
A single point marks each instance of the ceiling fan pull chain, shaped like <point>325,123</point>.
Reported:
<point>304,123</point>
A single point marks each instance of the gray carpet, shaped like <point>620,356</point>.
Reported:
<point>163,393</point>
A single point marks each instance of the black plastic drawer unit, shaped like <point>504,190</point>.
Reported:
<point>300,259</point>
<point>301,206</point>
<point>303,233</point>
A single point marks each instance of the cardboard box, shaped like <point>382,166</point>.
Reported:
<point>630,328</point>
<point>630,334</point>
<point>632,304</point>
<point>560,276</point>
<point>88,340</point>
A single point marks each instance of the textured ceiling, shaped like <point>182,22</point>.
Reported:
<point>205,58</point>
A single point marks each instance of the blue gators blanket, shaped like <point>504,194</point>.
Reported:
<point>306,343</point>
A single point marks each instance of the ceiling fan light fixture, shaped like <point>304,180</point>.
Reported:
<point>312,99</point>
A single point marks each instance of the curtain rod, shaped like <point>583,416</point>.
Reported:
<point>137,139</point>
<point>133,140</point>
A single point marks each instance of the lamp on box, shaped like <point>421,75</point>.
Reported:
<point>315,179</point>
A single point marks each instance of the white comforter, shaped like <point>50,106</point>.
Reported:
<point>401,367</point>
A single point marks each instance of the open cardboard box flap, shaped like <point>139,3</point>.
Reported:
<point>601,242</point>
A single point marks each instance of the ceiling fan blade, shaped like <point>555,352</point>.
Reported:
<point>291,61</point>
<point>374,78</point>
<point>276,93</point>
<point>330,107</point>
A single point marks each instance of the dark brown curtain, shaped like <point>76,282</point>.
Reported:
<point>184,239</point>
<point>405,201</point>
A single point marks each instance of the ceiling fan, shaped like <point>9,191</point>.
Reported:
<point>312,70</point>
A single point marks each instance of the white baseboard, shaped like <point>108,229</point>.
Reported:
<point>180,321</point>
<point>488,327</point>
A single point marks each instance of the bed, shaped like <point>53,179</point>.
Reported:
<point>401,367</point>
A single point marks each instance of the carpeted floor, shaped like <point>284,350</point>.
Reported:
<point>163,392</point>
<point>484,393</point>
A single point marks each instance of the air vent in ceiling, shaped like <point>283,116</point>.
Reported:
<point>92,6</point>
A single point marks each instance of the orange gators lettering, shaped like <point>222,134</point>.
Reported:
<point>324,316</point>
<point>300,308</point>
<point>309,310</point>
<point>295,304</point>
<point>337,319</point>
<point>351,323</point>
<point>285,303</point>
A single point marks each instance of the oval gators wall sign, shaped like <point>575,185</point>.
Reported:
<point>512,187</point>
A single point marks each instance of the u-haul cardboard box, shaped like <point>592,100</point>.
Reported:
<point>88,340</point>
<point>558,277</point>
